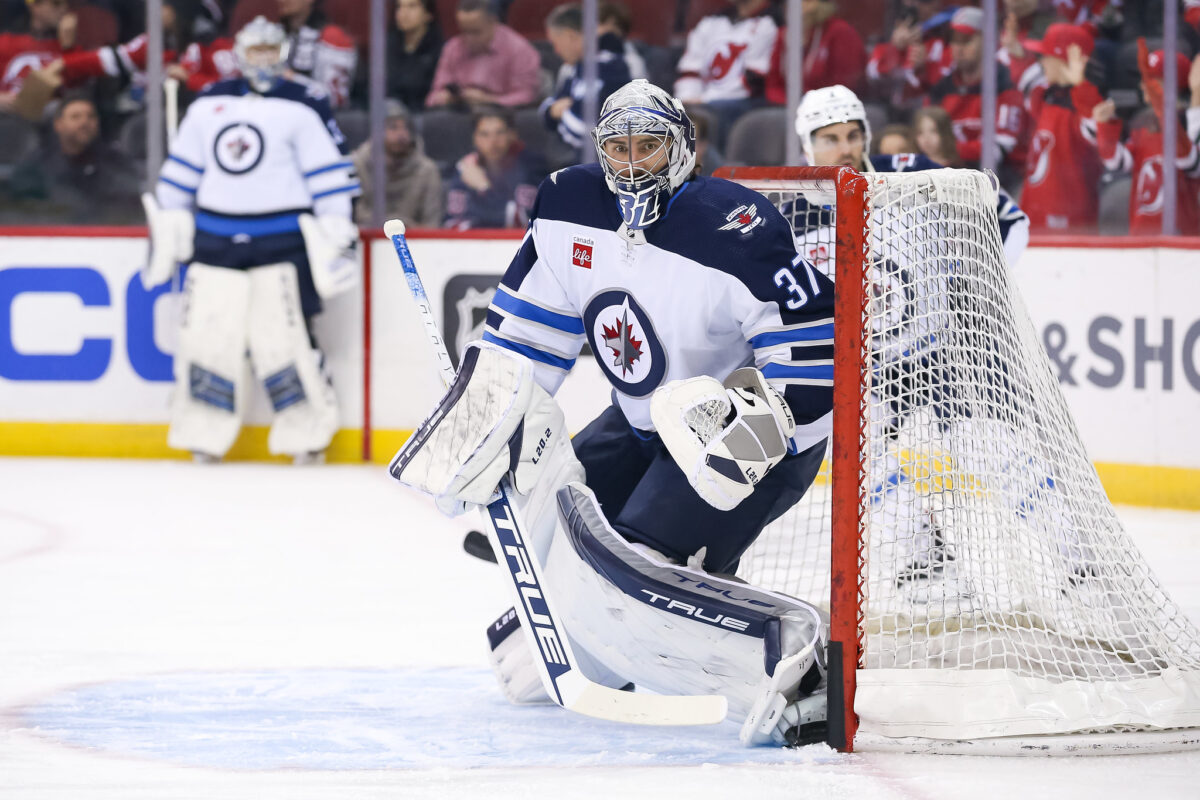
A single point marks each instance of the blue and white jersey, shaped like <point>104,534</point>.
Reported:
<point>272,156</point>
<point>717,286</point>
<point>814,224</point>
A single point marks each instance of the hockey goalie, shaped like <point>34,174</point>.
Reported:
<point>717,338</point>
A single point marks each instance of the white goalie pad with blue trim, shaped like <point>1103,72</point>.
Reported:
<point>672,628</point>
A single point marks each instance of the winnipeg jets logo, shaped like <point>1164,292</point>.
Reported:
<point>625,347</point>
<point>624,341</point>
<point>238,148</point>
<point>743,218</point>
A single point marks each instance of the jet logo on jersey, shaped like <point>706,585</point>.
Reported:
<point>743,218</point>
<point>238,148</point>
<point>581,252</point>
<point>626,346</point>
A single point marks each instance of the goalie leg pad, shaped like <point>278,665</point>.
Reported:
<point>676,629</point>
<point>289,365</point>
<point>494,419</point>
<point>210,362</point>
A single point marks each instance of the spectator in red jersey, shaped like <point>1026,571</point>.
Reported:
<point>51,33</point>
<point>494,186</point>
<point>960,93</point>
<point>725,63</point>
<point>203,63</point>
<point>1023,21</point>
<point>1142,152</point>
<point>902,69</point>
<point>894,140</point>
<point>125,62</point>
<point>486,64</point>
<point>933,132</point>
<point>321,52</point>
<point>1062,168</point>
<point>77,176</point>
<point>1191,13</point>
<point>834,52</point>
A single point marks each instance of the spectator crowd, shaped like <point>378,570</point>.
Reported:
<point>485,97</point>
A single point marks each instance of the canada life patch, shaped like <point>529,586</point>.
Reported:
<point>581,252</point>
<point>744,218</point>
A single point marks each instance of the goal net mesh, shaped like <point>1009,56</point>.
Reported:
<point>996,581</point>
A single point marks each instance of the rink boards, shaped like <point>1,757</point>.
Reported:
<point>86,369</point>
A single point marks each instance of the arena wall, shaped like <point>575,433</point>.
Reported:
<point>85,349</point>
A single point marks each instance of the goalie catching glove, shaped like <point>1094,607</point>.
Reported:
<point>494,420</point>
<point>725,437</point>
<point>172,231</point>
<point>331,243</point>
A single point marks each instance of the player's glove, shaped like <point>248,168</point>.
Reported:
<point>171,235</point>
<point>725,437</point>
<point>331,243</point>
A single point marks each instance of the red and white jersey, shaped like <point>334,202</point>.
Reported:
<point>1142,155</point>
<point>964,104</point>
<point>1083,12</point>
<point>209,63</point>
<point>127,59</point>
<point>1062,168</point>
<point>20,54</point>
<point>887,61</point>
<point>1191,12</point>
<point>328,57</point>
<point>722,52</point>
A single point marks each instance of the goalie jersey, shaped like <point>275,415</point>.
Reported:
<point>272,156</point>
<point>718,285</point>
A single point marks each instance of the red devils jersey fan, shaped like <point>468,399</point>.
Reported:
<point>1142,153</point>
<point>51,33</point>
<point>1062,167</point>
<point>209,63</point>
<point>833,51</point>
<point>318,50</point>
<point>728,54</point>
<point>959,93</point>
<point>916,57</point>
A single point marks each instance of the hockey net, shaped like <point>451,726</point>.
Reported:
<point>981,587</point>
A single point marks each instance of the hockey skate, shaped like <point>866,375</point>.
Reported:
<point>812,714</point>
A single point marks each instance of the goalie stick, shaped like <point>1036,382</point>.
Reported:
<point>544,634</point>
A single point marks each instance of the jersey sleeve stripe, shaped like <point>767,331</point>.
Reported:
<point>773,371</point>
<point>530,352</point>
<point>329,168</point>
<point>813,334</point>
<point>528,311</point>
<point>179,186</point>
<point>354,187</point>
<point>188,164</point>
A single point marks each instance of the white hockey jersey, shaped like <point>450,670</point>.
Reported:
<point>720,51</point>
<point>717,286</point>
<point>239,154</point>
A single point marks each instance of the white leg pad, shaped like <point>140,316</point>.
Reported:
<point>670,628</point>
<point>210,385</point>
<point>306,412</point>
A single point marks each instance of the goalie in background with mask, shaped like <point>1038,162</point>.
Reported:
<point>255,196</point>
<point>717,339</point>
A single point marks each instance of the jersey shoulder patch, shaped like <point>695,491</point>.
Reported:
<point>904,162</point>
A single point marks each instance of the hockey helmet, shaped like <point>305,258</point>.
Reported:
<point>259,68</point>
<point>641,184</point>
<point>828,106</point>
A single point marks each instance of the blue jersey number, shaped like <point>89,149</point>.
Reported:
<point>786,279</point>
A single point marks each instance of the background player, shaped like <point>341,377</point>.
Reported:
<point>717,338</point>
<point>258,162</point>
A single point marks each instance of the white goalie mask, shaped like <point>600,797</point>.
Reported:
<point>636,110</point>
<point>829,106</point>
<point>261,52</point>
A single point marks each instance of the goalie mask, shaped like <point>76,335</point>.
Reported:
<point>647,147</point>
<point>829,106</point>
<point>261,52</point>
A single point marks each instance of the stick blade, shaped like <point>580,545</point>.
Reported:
<point>393,227</point>
<point>594,700</point>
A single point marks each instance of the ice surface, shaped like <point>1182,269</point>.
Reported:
<point>170,630</point>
